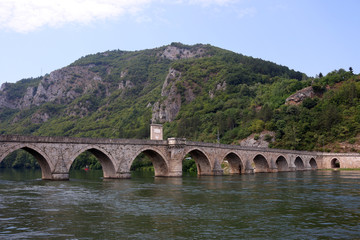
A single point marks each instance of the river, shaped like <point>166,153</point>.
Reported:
<point>287,205</point>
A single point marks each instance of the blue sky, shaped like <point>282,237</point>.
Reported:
<point>311,36</point>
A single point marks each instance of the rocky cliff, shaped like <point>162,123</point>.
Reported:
<point>192,89</point>
<point>60,86</point>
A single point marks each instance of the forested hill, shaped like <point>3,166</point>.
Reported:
<point>200,92</point>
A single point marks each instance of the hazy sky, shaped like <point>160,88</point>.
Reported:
<point>312,36</point>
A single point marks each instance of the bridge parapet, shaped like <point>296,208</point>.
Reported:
<point>245,148</point>
<point>176,142</point>
<point>75,140</point>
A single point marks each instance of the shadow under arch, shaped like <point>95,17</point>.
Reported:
<point>299,164</point>
<point>335,163</point>
<point>282,164</point>
<point>161,168</point>
<point>105,161</point>
<point>202,161</point>
<point>43,163</point>
<point>313,164</point>
<point>261,164</point>
<point>235,164</point>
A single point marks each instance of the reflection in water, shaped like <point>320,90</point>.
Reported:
<point>284,205</point>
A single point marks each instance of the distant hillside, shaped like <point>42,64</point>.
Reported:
<point>200,92</point>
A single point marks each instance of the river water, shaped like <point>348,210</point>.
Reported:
<point>288,205</point>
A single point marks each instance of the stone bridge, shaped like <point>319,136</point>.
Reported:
<point>56,155</point>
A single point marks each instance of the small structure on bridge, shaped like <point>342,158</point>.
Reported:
<point>156,132</point>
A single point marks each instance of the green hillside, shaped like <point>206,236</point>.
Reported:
<point>219,95</point>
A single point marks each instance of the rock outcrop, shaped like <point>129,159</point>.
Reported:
<point>261,140</point>
<point>298,97</point>
<point>61,86</point>
<point>175,53</point>
<point>166,110</point>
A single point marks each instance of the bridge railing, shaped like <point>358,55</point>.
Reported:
<point>170,142</point>
<point>245,148</point>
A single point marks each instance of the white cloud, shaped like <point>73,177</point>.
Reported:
<point>29,15</point>
<point>211,2</point>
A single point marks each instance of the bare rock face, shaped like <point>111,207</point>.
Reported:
<point>167,110</point>
<point>258,140</point>
<point>81,109</point>
<point>40,117</point>
<point>298,97</point>
<point>63,85</point>
<point>67,83</point>
<point>126,85</point>
<point>175,53</point>
<point>219,87</point>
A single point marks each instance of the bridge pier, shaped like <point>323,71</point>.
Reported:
<point>174,174</point>
<point>250,170</point>
<point>292,169</point>
<point>122,175</point>
<point>58,176</point>
<point>218,172</point>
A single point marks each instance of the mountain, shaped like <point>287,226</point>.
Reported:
<point>200,92</point>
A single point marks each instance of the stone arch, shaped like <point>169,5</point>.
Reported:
<point>261,164</point>
<point>105,159</point>
<point>235,163</point>
<point>161,167</point>
<point>313,164</point>
<point>335,163</point>
<point>299,164</point>
<point>202,161</point>
<point>282,164</point>
<point>39,155</point>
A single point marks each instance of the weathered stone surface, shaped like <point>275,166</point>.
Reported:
<point>40,117</point>
<point>63,85</point>
<point>174,53</point>
<point>299,96</point>
<point>167,110</point>
<point>56,155</point>
<point>257,140</point>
